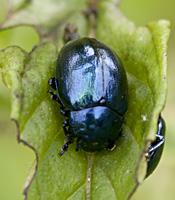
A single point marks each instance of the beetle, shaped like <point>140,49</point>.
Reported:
<point>92,90</point>
<point>156,147</point>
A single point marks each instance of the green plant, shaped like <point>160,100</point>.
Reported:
<point>39,123</point>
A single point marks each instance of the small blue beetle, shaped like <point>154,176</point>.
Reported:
<point>92,90</point>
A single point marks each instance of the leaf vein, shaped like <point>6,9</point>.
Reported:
<point>76,191</point>
<point>109,181</point>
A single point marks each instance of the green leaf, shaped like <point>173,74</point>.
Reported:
<point>79,175</point>
<point>46,16</point>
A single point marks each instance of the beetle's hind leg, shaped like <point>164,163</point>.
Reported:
<point>111,145</point>
<point>112,142</point>
<point>66,124</point>
<point>69,140</point>
<point>69,137</point>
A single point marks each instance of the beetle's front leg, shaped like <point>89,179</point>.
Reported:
<point>69,137</point>
<point>51,82</point>
<point>62,109</point>
<point>54,97</point>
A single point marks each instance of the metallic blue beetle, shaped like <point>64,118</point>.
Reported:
<point>92,89</point>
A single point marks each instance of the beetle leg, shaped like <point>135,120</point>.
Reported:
<point>159,138</point>
<point>51,82</point>
<point>64,112</point>
<point>112,142</point>
<point>69,137</point>
<point>69,140</point>
<point>66,124</point>
<point>159,141</point>
<point>111,145</point>
<point>55,98</point>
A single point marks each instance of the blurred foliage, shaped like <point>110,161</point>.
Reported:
<point>15,160</point>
